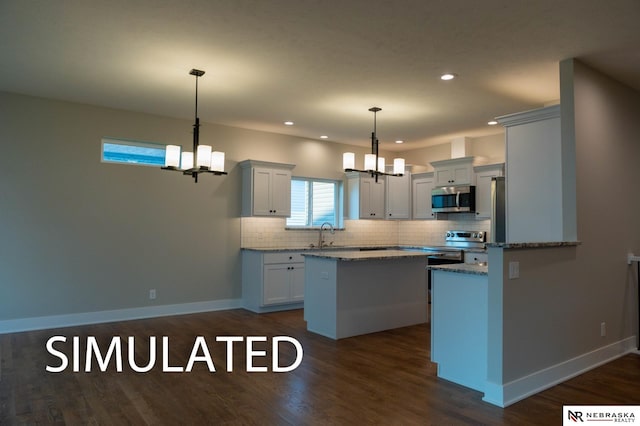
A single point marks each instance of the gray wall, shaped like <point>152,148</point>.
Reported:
<point>78,235</point>
<point>553,312</point>
<point>486,149</point>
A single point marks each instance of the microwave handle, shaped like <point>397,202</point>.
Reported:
<point>458,199</point>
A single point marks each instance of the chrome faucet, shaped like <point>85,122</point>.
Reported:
<point>322,228</point>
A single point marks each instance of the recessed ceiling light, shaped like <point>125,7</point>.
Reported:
<point>288,123</point>
<point>492,123</point>
<point>399,141</point>
<point>448,76</point>
<point>324,137</point>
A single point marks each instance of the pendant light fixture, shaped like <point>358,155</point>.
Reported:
<point>201,159</point>
<point>373,163</point>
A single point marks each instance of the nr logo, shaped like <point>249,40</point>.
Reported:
<point>575,416</point>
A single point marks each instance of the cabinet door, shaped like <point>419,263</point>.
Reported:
<point>483,192</point>
<point>461,175</point>
<point>443,176</point>
<point>371,198</point>
<point>422,198</point>
<point>281,193</point>
<point>276,287</point>
<point>398,196</point>
<point>376,201</point>
<point>262,192</point>
<point>365,198</point>
<point>297,282</point>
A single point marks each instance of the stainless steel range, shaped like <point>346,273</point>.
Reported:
<point>455,242</point>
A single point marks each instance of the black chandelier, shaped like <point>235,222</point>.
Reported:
<point>205,160</point>
<point>373,163</point>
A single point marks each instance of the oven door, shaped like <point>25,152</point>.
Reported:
<point>443,259</point>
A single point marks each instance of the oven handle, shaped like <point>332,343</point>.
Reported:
<point>458,199</point>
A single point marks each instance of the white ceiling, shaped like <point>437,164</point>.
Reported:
<point>319,63</point>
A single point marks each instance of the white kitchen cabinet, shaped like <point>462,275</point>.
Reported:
<point>398,196</point>
<point>365,196</point>
<point>422,184</point>
<point>272,281</point>
<point>483,188</point>
<point>471,257</point>
<point>458,171</point>
<point>266,188</point>
<point>540,191</point>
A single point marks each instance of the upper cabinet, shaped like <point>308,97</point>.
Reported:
<point>421,187</point>
<point>398,196</point>
<point>483,188</point>
<point>458,171</point>
<point>266,188</point>
<point>540,172</point>
<point>365,196</point>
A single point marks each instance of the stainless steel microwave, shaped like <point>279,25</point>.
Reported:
<point>453,199</point>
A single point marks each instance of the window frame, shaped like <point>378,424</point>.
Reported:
<point>131,143</point>
<point>337,203</point>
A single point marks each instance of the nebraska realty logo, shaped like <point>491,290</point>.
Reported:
<point>600,413</point>
<point>58,346</point>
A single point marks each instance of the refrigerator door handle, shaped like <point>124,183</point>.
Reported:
<point>494,210</point>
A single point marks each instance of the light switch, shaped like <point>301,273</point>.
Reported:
<point>514,270</point>
<point>324,275</point>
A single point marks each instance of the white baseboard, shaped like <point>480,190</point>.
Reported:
<point>512,392</point>
<point>68,320</point>
<point>276,308</point>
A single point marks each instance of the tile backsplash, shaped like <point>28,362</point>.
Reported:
<point>271,233</point>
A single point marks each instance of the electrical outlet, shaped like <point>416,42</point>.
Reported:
<point>152,294</point>
<point>514,270</point>
<point>603,329</point>
<point>324,275</point>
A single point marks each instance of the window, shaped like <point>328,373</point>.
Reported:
<point>132,152</point>
<point>313,202</point>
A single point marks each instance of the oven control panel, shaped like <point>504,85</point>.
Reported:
<point>466,236</point>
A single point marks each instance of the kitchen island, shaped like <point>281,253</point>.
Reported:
<point>348,293</point>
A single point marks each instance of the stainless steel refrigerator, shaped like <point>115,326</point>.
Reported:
<point>498,232</point>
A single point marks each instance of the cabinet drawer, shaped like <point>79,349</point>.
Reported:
<point>283,257</point>
<point>474,257</point>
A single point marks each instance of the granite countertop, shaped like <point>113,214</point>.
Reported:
<point>431,247</point>
<point>474,250</point>
<point>525,245</point>
<point>314,249</point>
<point>463,268</point>
<point>350,255</point>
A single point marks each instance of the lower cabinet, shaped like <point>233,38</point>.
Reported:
<point>475,257</point>
<point>272,281</point>
<point>283,283</point>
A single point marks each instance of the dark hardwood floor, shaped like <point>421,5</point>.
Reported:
<point>382,378</point>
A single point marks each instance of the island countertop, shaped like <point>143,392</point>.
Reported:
<point>463,268</point>
<point>349,255</point>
